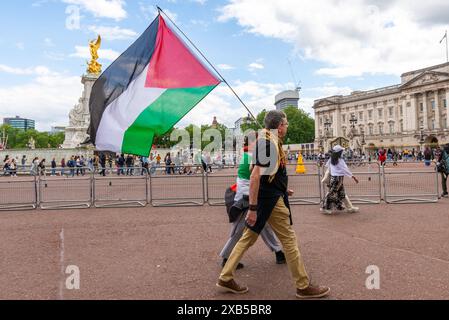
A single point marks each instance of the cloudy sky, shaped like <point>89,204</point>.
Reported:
<point>332,46</point>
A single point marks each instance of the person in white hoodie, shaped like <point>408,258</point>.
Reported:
<point>338,170</point>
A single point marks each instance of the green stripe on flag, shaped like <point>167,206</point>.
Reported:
<point>160,117</point>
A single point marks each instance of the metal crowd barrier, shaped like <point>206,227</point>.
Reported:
<point>179,189</point>
<point>18,193</point>
<point>306,186</point>
<point>369,188</point>
<point>67,189</point>
<point>405,186</point>
<point>216,185</point>
<point>120,187</point>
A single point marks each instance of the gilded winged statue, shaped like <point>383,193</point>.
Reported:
<point>93,66</point>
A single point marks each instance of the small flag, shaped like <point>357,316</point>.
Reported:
<point>146,91</point>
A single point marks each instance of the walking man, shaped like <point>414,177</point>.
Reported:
<point>268,198</point>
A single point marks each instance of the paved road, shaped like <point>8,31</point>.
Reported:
<point>172,253</point>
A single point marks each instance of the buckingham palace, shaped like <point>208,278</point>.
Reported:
<point>409,115</point>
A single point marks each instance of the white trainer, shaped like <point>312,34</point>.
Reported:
<point>353,210</point>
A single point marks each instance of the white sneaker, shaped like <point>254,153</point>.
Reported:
<point>353,210</point>
<point>327,211</point>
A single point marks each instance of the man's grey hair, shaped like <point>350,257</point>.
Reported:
<point>274,118</point>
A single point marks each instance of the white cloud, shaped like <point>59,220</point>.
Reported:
<point>106,54</point>
<point>225,66</point>
<point>113,33</point>
<point>255,66</point>
<point>39,70</point>
<point>113,9</point>
<point>351,37</point>
<point>225,106</point>
<point>48,98</point>
<point>201,2</point>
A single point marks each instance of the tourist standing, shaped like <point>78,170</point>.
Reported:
<point>53,167</point>
<point>63,165</point>
<point>443,168</point>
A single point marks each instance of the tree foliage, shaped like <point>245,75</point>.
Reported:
<point>301,125</point>
<point>19,139</point>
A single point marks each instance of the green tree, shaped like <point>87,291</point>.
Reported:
<point>253,125</point>
<point>301,127</point>
<point>18,139</point>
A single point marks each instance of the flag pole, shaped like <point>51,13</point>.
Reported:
<point>447,53</point>
<point>212,66</point>
<point>447,50</point>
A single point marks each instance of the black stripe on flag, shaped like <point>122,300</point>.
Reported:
<point>118,76</point>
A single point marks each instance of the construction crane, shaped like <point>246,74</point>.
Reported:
<point>297,83</point>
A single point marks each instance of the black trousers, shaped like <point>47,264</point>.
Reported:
<point>444,182</point>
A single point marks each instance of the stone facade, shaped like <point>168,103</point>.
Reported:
<point>79,117</point>
<point>404,116</point>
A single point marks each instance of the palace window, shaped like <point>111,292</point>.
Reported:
<point>433,104</point>
<point>391,111</point>
<point>343,118</point>
<point>370,129</point>
<point>380,113</point>
<point>370,114</point>
<point>391,127</point>
<point>381,129</point>
<point>401,110</point>
<point>361,116</point>
<point>421,107</point>
<point>402,126</point>
<point>433,124</point>
<point>344,132</point>
<point>445,103</point>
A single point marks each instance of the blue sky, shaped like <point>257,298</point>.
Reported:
<point>335,47</point>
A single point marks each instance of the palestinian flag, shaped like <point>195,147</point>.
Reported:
<point>146,91</point>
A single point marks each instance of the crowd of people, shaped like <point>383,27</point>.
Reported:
<point>182,163</point>
<point>188,163</point>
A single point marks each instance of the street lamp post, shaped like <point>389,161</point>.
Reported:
<point>353,122</point>
<point>421,138</point>
<point>320,146</point>
<point>327,126</point>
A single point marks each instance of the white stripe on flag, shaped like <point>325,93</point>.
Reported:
<point>123,111</point>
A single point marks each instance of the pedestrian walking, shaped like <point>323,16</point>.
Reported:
<point>338,170</point>
<point>268,203</point>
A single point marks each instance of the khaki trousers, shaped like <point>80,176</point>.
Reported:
<point>280,223</point>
